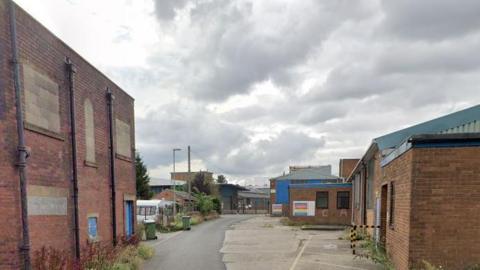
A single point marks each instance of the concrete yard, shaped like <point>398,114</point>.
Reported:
<point>262,243</point>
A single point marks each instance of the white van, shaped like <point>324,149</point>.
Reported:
<point>152,209</point>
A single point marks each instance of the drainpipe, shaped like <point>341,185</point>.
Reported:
<point>110,98</point>
<point>364,202</point>
<point>73,133</point>
<point>21,148</point>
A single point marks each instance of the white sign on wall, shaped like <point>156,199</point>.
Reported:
<point>304,208</point>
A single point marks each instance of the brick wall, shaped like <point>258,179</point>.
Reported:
<point>10,232</point>
<point>346,166</point>
<point>50,164</point>
<point>168,196</point>
<point>445,228</point>
<point>398,236</point>
<point>332,215</point>
<point>285,207</point>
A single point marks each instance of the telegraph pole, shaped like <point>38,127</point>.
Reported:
<point>190,208</point>
<point>174,186</point>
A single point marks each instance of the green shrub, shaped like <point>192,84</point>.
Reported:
<point>204,203</point>
<point>217,206</point>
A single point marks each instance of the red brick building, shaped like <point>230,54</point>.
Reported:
<point>181,197</point>
<point>311,194</point>
<point>421,186</point>
<point>328,203</point>
<point>77,128</point>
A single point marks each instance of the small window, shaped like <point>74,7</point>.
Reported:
<point>322,199</point>
<point>392,204</point>
<point>89,131</point>
<point>92,227</point>
<point>343,200</point>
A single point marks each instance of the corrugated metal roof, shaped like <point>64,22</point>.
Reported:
<point>253,194</point>
<point>464,121</point>
<point>165,182</point>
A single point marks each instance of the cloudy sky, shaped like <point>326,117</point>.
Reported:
<point>254,86</point>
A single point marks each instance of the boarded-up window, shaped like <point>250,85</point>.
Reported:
<point>89,131</point>
<point>41,100</point>
<point>123,138</point>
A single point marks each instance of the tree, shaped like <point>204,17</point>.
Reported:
<point>221,179</point>
<point>202,185</point>
<point>143,179</point>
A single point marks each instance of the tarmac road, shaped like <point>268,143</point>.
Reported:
<point>197,249</point>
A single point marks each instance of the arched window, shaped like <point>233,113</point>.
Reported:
<point>89,132</point>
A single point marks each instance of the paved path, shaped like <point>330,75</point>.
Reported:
<point>262,243</point>
<point>197,249</point>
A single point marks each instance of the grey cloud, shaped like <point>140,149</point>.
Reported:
<point>431,19</point>
<point>271,155</point>
<point>322,112</point>
<point>218,144</point>
<point>387,74</point>
<point>452,56</point>
<point>166,9</point>
<point>179,125</point>
<point>236,48</point>
<point>352,81</point>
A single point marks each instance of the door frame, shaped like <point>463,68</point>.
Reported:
<point>383,213</point>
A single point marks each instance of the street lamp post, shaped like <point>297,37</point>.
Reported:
<point>174,185</point>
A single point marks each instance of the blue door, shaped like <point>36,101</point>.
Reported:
<point>129,218</point>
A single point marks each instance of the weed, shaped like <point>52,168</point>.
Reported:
<point>288,222</point>
<point>50,259</point>
<point>377,253</point>
<point>428,266</point>
<point>145,252</point>
<point>473,267</point>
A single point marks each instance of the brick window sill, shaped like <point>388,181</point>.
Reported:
<point>90,164</point>
<point>44,131</point>
<point>122,157</point>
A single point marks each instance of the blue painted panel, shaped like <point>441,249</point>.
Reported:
<point>281,191</point>
<point>129,218</point>
<point>92,227</point>
<point>320,185</point>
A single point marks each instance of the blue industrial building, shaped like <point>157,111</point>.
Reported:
<point>307,175</point>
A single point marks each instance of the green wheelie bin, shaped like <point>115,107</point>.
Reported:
<point>186,223</point>
<point>150,230</point>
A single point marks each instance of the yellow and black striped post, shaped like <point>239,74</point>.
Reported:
<point>353,238</point>
<point>353,234</point>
